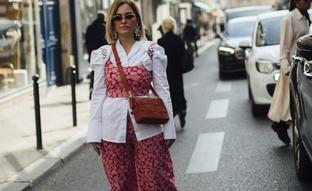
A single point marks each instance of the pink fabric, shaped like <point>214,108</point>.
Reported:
<point>138,77</point>
<point>132,166</point>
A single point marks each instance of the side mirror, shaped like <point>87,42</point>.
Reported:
<point>244,45</point>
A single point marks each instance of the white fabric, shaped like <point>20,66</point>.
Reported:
<point>293,26</point>
<point>108,116</point>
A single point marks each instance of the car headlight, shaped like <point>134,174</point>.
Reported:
<point>264,66</point>
<point>226,50</point>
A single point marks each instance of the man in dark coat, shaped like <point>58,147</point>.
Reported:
<point>190,35</point>
<point>95,38</point>
<point>174,49</point>
<point>95,35</point>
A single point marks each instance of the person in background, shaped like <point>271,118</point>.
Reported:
<point>134,156</point>
<point>293,26</point>
<point>174,49</point>
<point>95,38</point>
<point>190,35</point>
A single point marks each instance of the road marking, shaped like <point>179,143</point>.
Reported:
<point>206,155</point>
<point>224,87</point>
<point>192,85</point>
<point>218,109</point>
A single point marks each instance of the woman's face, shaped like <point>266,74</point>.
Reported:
<point>303,4</point>
<point>124,20</point>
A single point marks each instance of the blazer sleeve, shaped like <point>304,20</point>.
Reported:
<point>97,63</point>
<point>286,39</point>
<point>161,86</point>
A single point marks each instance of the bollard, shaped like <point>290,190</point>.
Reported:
<point>35,79</point>
<point>73,92</point>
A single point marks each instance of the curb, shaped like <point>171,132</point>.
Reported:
<point>36,171</point>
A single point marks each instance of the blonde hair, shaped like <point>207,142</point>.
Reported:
<point>110,24</point>
<point>168,24</point>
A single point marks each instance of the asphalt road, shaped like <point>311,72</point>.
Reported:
<point>223,147</point>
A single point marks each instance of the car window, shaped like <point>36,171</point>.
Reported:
<point>240,29</point>
<point>268,32</point>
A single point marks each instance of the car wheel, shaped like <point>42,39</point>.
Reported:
<point>302,163</point>
<point>221,74</point>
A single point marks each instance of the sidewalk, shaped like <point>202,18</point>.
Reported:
<point>59,138</point>
<point>21,165</point>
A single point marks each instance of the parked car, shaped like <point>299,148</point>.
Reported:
<point>301,107</point>
<point>262,66</point>
<point>231,57</point>
<point>247,11</point>
<point>232,13</point>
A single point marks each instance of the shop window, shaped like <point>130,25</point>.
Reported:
<point>17,48</point>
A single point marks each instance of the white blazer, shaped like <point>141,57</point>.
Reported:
<point>108,116</point>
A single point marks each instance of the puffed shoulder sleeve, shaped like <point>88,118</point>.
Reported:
<point>99,57</point>
<point>97,62</point>
<point>153,51</point>
<point>161,86</point>
<point>159,53</point>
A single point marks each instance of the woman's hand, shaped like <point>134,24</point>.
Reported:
<point>169,142</point>
<point>96,147</point>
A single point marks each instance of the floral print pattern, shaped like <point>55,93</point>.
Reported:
<point>138,165</point>
<point>139,80</point>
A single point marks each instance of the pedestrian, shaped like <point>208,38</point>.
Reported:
<point>174,48</point>
<point>95,34</point>
<point>95,38</point>
<point>134,156</point>
<point>293,26</point>
<point>190,35</point>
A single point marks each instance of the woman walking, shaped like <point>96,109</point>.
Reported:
<point>174,49</point>
<point>135,156</point>
<point>294,25</point>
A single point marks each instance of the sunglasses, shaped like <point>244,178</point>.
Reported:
<point>127,17</point>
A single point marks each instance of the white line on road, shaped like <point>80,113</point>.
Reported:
<point>224,87</point>
<point>206,155</point>
<point>218,109</point>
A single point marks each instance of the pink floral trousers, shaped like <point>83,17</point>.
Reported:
<point>138,165</point>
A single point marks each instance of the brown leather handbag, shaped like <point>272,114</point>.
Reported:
<point>150,110</point>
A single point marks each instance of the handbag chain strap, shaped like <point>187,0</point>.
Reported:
<point>123,76</point>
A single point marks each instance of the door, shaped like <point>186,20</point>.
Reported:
<point>305,87</point>
<point>50,38</point>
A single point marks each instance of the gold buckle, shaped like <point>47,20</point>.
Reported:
<point>129,94</point>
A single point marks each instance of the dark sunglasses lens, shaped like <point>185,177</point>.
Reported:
<point>117,18</point>
<point>129,16</point>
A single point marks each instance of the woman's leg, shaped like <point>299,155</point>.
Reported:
<point>118,162</point>
<point>281,130</point>
<point>153,165</point>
